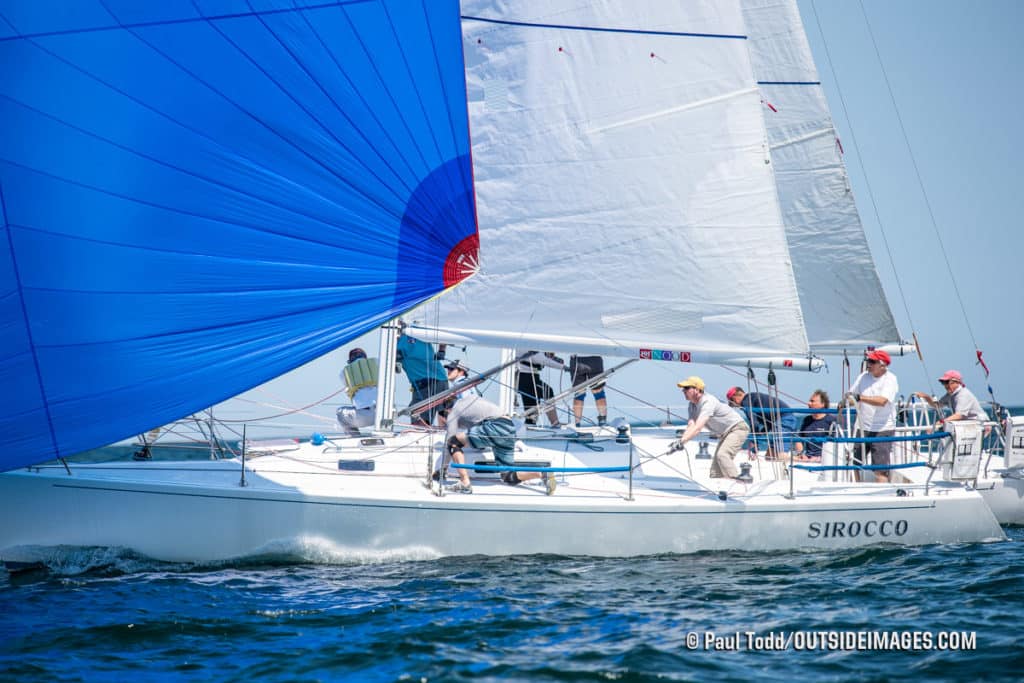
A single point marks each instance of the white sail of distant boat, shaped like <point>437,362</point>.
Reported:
<point>625,139</point>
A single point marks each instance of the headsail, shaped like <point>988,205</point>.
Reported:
<point>624,191</point>
<point>198,197</point>
<point>843,303</point>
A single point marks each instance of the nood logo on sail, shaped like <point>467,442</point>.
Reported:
<point>884,528</point>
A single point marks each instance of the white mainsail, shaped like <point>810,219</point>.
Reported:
<point>843,303</point>
<point>625,196</point>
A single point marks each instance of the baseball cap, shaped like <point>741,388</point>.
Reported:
<point>732,392</point>
<point>952,375</point>
<point>692,381</point>
<point>455,365</point>
<point>880,356</point>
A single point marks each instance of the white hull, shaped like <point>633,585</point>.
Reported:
<point>299,502</point>
<point>1003,495</point>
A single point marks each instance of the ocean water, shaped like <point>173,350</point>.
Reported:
<point>949,613</point>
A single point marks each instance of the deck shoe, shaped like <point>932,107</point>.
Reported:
<point>459,487</point>
<point>549,483</point>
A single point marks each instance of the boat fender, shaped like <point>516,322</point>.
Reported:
<point>359,374</point>
<point>453,445</point>
<point>510,478</point>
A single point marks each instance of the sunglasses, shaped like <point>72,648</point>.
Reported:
<point>872,361</point>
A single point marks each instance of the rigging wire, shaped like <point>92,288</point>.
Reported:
<point>924,193</point>
<point>867,182</point>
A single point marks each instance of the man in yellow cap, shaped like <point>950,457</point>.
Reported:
<point>723,422</point>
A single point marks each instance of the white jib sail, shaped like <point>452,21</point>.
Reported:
<point>843,303</point>
<point>624,191</point>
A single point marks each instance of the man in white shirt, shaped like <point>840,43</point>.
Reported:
<point>875,392</point>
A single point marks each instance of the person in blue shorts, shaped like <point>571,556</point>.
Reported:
<point>475,421</point>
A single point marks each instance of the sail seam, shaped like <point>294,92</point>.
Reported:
<point>440,81</point>
<point>188,20</point>
<point>337,107</point>
<point>138,153</point>
<point>605,29</point>
<point>274,129</point>
<point>171,209</point>
<point>28,328</point>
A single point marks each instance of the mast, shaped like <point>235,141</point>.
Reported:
<point>384,418</point>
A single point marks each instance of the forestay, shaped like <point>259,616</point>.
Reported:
<point>843,303</point>
<point>198,197</point>
<point>624,192</point>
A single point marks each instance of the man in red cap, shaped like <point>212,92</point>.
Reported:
<point>875,392</point>
<point>962,403</point>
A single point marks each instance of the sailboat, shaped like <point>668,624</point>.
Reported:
<point>813,184</point>
<point>198,199</point>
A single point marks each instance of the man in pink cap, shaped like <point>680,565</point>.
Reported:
<point>875,392</point>
<point>963,404</point>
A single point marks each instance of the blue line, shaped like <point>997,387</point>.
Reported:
<point>789,82</point>
<point>828,468</point>
<point>513,468</point>
<point>8,228</point>
<point>599,29</point>
<point>876,439</point>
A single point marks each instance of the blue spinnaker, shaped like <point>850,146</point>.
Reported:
<point>198,196</point>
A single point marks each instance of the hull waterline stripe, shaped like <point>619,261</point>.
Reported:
<point>415,506</point>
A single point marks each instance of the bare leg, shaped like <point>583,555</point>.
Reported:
<point>459,457</point>
<point>553,416</point>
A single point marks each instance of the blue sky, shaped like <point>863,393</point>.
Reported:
<point>954,69</point>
